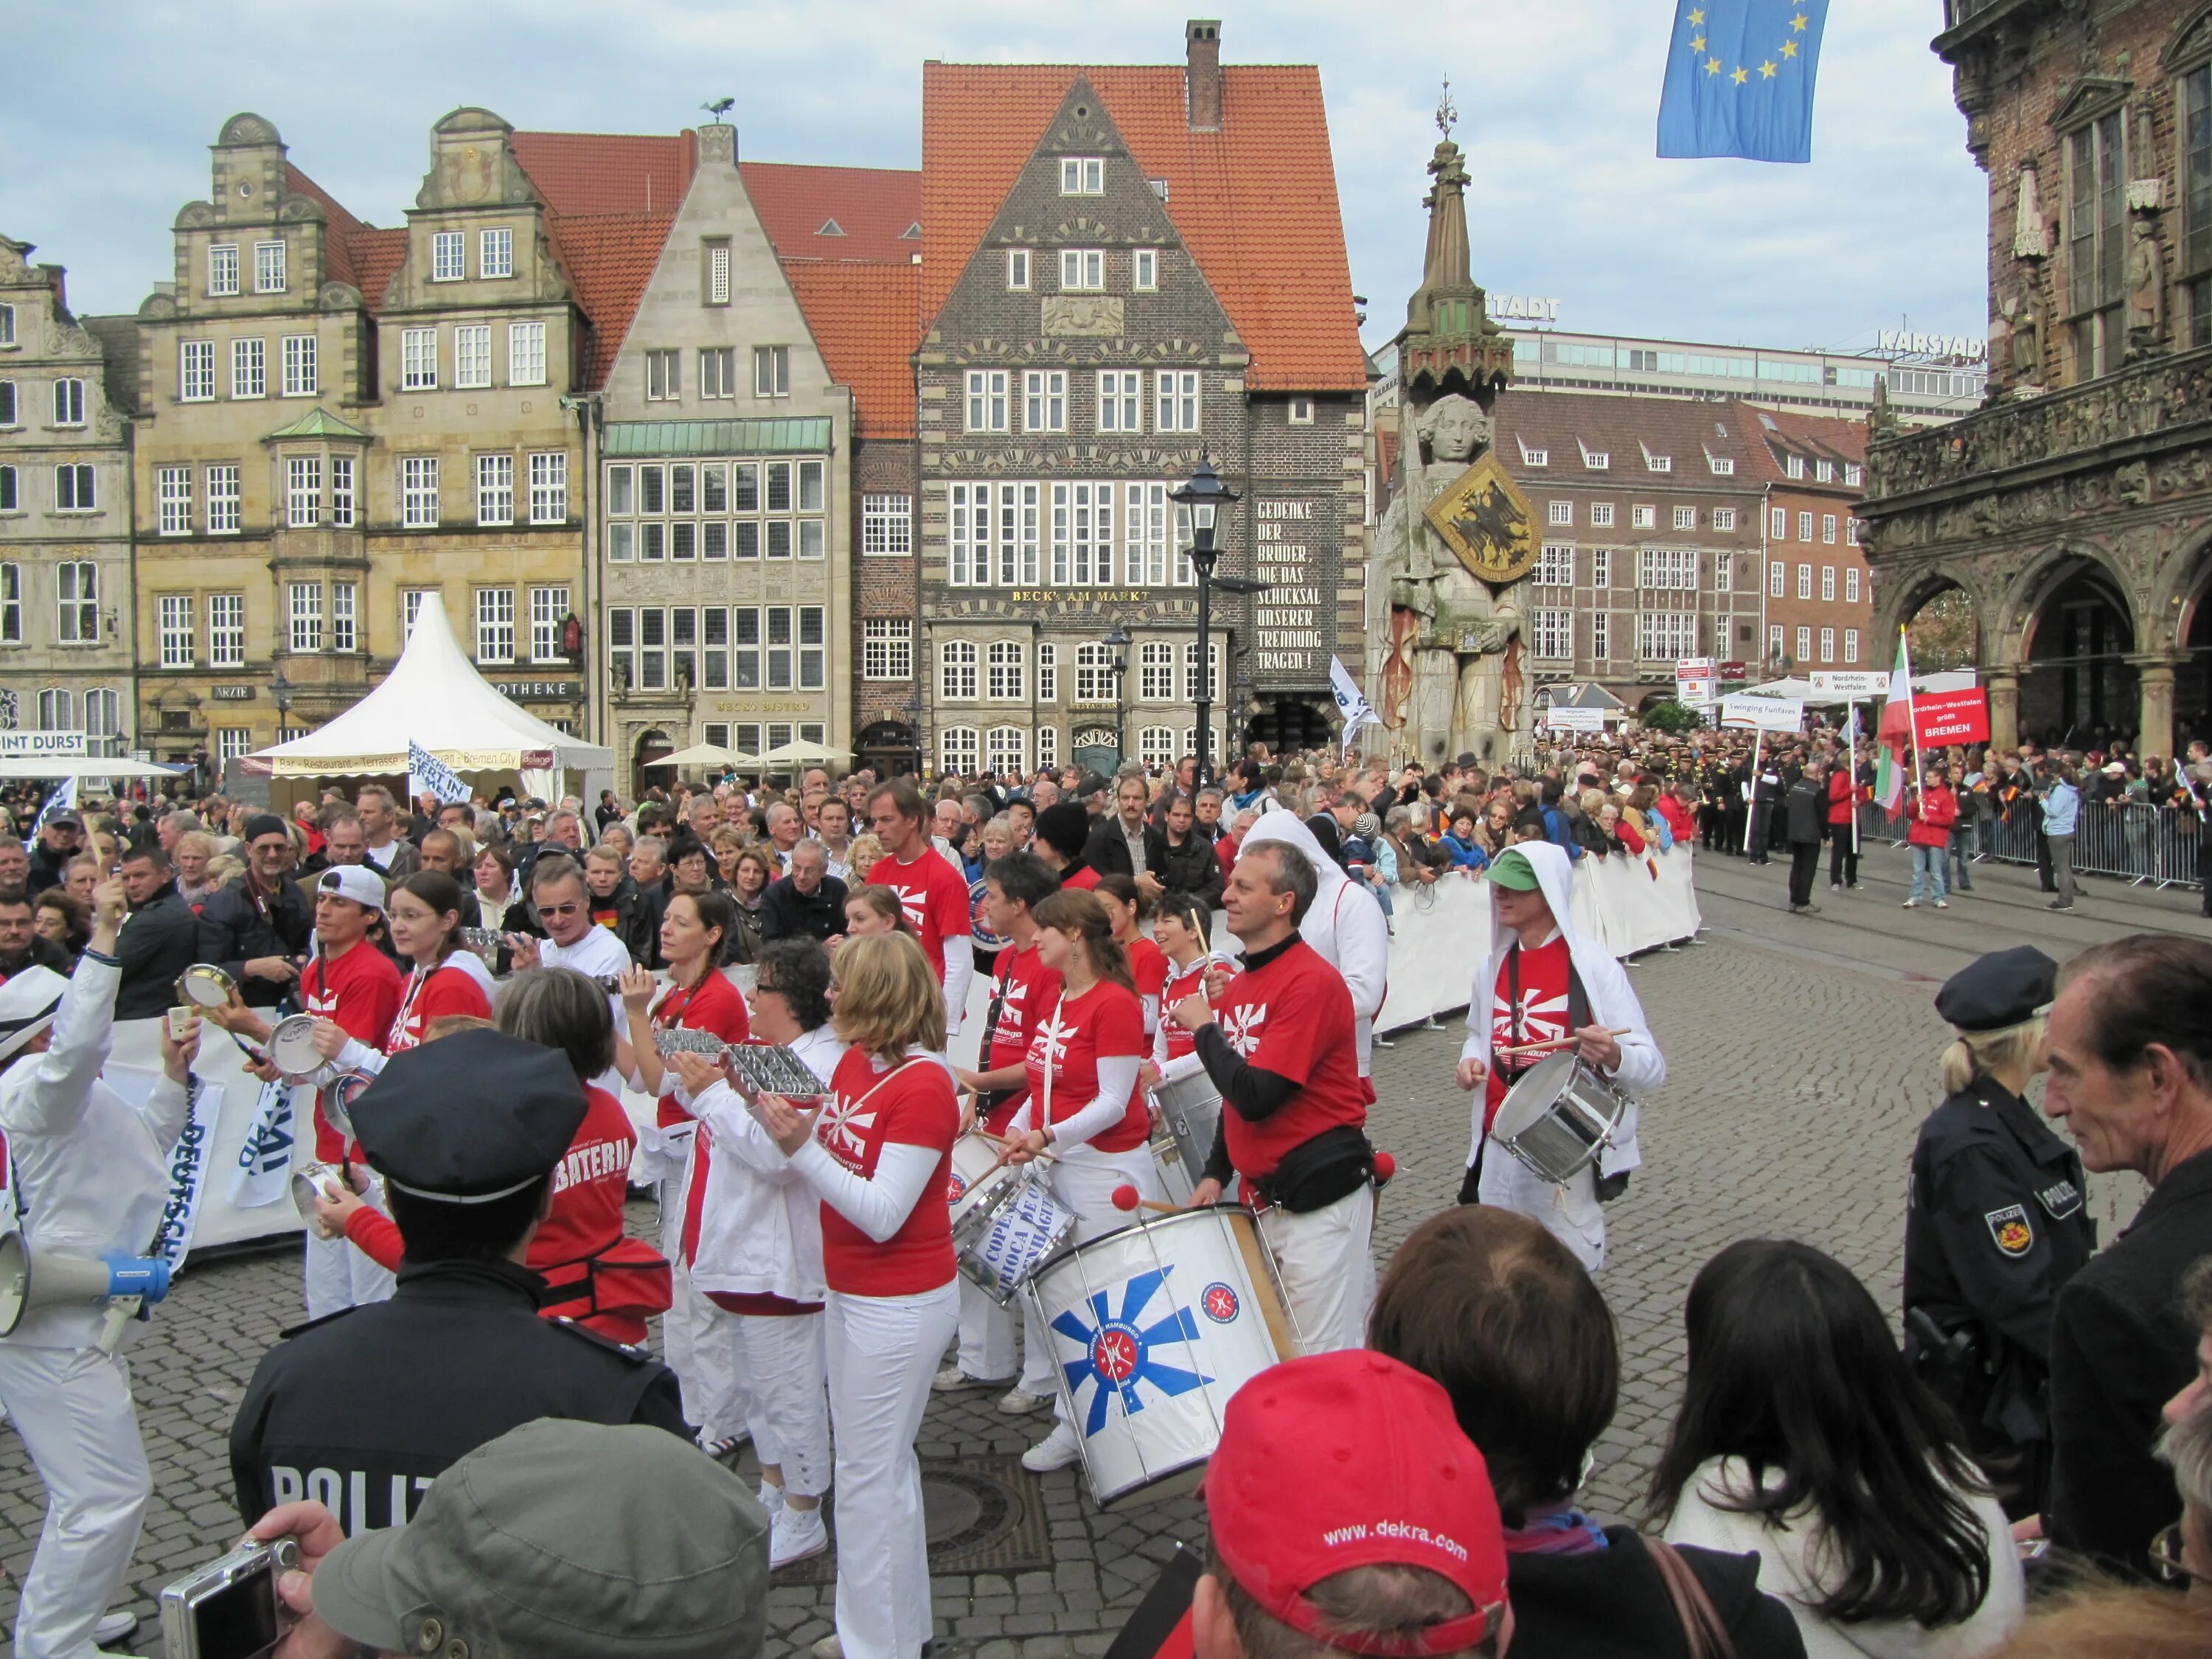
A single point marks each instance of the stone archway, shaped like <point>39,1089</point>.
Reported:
<point>2192,675</point>
<point>650,747</point>
<point>2077,685</point>
<point>889,749</point>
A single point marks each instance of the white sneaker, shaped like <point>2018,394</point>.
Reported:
<point>1942,904</point>
<point>113,1627</point>
<point>796,1535</point>
<point>771,1499</point>
<point>827,1648</point>
<point>953,1380</point>
<point>1055,1451</point>
<point>1020,1402</point>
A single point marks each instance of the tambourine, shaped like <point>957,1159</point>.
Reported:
<point>313,1181</point>
<point>339,1096</point>
<point>292,1046</point>
<point>204,985</point>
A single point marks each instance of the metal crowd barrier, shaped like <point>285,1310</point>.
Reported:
<point>2159,846</point>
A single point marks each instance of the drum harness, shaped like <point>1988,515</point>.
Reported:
<point>1578,1016</point>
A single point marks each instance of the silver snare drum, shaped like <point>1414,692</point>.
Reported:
<point>1559,1117</point>
<point>1190,1107</point>
<point>1008,1232</point>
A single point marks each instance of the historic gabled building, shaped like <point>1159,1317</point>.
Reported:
<point>65,655</point>
<point>1126,269</point>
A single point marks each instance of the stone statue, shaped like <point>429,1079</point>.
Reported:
<point>2027,338</point>
<point>2146,284</point>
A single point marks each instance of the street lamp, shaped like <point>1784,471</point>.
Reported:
<point>1204,494</point>
<point>1119,639</point>
<point>280,693</point>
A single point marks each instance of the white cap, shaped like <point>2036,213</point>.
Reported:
<point>356,882</point>
<point>28,1002</point>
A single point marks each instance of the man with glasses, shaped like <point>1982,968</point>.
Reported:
<point>257,930</point>
<point>563,903</point>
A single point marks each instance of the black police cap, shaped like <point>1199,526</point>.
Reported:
<point>2003,988</point>
<point>472,1117</point>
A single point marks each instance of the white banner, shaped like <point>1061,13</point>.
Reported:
<point>1351,702</point>
<point>1750,714</point>
<point>188,1168</point>
<point>428,776</point>
<point>40,745</point>
<point>1694,694</point>
<point>1575,719</point>
<point>1852,683</point>
<point>264,1161</point>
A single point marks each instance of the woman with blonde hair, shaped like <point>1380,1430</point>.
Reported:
<point>1996,1221</point>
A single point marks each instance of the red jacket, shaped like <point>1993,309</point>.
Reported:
<point>1677,816</point>
<point>1840,796</point>
<point>1933,812</point>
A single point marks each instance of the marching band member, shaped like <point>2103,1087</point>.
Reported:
<point>932,893</point>
<point>424,914</point>
<point>1083,1107</point>
<point>1278,1042</point>
<point>1545,984</point>
<point>1345,924</point>
<point>879,1156</point>
<point>1023,991</point>
<point>1185,936</point>
<point>759,1255</point>
<point>699,1341</point>
<point>1125,908</point>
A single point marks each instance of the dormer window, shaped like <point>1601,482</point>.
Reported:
<point>830,228</point>
<point>1534,457</point>
<point>1597,460</point>
<point>1824,471</point>
<point>1656,463</point>
<point>912,232</point>
<point>1722,467</point>
<point>1794,465</point>
<point>1853,473</point>
<point>1159,187</point>
<point>1082,175</point>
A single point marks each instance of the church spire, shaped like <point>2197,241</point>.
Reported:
<point>1448,336</point>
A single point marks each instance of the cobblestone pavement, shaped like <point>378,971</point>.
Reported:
<point>1800,1057</point>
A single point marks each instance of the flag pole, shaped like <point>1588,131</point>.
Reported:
<point>1851,767</point>
<point>1911,725</point>
<point>1751,806</point>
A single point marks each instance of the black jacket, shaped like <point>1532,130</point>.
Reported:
<point>1613,1604</point>
<point>2120,1349</point>
<point>41,952</point>
<point>236,926</point>
<point>640,926</point>
<point>386,1395</point>
<point>1807,804</point>
<point>160,939</point>
<point>1107,850</point>
<point>786,912</point>
<point>1191,873</point>
<point>47,866</point>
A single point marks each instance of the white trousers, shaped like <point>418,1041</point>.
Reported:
<point>339,1276</point>
<point>1085,1182</point>
<point>1327,1272</point>
<point>700,1343</point>
<point>882,1353</point>
<point>1571,1214</point>
<point>987,1335</point>
<point>72,1407</point>
<point>780,1358</point>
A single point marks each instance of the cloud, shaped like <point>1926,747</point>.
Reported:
<point>113,107</point>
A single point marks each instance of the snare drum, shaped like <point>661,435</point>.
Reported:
<point>974,1156</point>
<point>1559,1117</point>
<point>1176,1176</point>
<point>1153,1328</point>
<point>1190,1107</point>
<point>292,1046</point>
<point>204,985</point>
<point>1008,1232</point>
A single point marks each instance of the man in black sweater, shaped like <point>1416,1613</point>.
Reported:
<point>160,938</point>
<point>1806,808</point>
<point>809,903</point>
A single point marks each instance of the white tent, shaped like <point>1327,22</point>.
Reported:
<point>85,766</point>
<point>434,697</point>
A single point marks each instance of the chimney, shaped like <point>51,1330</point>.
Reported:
<point>1202,73</point>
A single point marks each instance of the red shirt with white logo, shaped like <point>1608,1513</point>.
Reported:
<point>1023,994</point>
<point>1291,1013</point>
<point>1182,982</point>
<point>431,996</point>
<point>1541,1016</point>
<point>912,1105</point>
<point>1148,966</point>
<point>589,1186</point>
<point>1072,1037</point>
<point>713,1005</point>
<point>933,898</point>
<point>360,990</point>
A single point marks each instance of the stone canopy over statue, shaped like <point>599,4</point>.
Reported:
<point>1458,541</point>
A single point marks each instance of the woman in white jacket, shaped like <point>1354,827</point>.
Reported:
<point>1804,1437</point>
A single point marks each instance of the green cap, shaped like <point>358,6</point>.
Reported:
<point>1512,869</point>
<point>563,1540</point>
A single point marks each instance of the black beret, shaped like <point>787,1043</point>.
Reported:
<point>1064,827</point>
<point>473,1116</point>
<point>264,824</point>
<point>2002,989</point>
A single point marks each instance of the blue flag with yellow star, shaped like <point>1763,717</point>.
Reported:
<point>1740,79</point>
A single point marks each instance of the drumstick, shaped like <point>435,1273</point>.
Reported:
<point>1560,1042</point>
<point>1126,1198</point>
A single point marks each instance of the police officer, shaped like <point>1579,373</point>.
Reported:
<point>358,1411</point>
<point>1995,1222</point>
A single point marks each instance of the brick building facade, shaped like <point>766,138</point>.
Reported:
<point>1820,601</point>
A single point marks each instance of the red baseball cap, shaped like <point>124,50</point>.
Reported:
<point>1353,1459</point>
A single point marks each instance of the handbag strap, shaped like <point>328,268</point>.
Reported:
<point>1702,1629</point>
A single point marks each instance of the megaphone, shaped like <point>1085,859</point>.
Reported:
<point>36,1278</point>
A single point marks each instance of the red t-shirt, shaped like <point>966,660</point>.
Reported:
<point>868,1110</point>
<point>1023,995</point>
<point>1072,1037</point>
<point>426,996</point>
<point>934,898</point>
<point>1148,966</point>
<point>1291,1015</point>
<point>713,1005</point>
<point>360,990</point>
<point>1542,1015</point>
<point>1677,816</point>
<point>1182,982</point>
<point>1082,881</point>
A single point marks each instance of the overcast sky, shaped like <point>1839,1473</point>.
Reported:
<point>112,103</point>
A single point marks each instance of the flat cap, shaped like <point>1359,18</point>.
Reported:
<point>2002,989</point>
<point>470,1118</point>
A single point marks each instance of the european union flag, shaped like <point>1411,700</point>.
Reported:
<point>1740,79</point>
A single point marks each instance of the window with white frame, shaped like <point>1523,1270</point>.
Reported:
<point>1156,746</point>
<point>1601,632</point>
<point>1601,516</point>
<point>995,534</point>
<point>1778,573</point>
<point>1145,271</point>
<point>1804,581</point>
<point>1824,471</point>
<point>494,625</point>
<point>10,415</point>
<point>549,488</point>
<point>1668,568</point>
<point>56,710</point>
<point>1723,518</point>
<point>11,604</point>
<point>303,491</point>
<point>304,606</point>
<point>226,616</point>
<point>222,269</point>
<point>1094,673</point>
<point>249,369</point>
<point>172,493</point>
<point>887,648</point>
<point>1596,460</point>
<point>232,743</point>
<point>886,526</point>
<point>268,268</point>
<point>1666,635</point>
<point>1778,525</point>
<point>1804,526</point>
<point>195,371</point>
<point>1300,411</point>
<point>345,617</point>
<point>1828,645</point>
<point>1851,586</point>
<point>1047,677</point>
<point>343,502</point>
<point>1853,473</point>
<point>1044,400</point>
<point>1723,573</point>
<point>1555,567</point>
<point>1724,466</point>
<point>1082,175</point>
<point>10,499</point>
<point>958,751</point>
<point>103,717</point>
<point>411,607</point>
<point>1850,532</point>
<point>1685,518</point>
<point>68,402</point>
<point>472,356</point>
<point>1850,644</point>
<point>716,510</point>
<point>300,366</point>
<point>1562,513</point>
<point>1155,673</point>
<point>956,671</point>
<point>1081,535</point>
<point>75,488</point>
<point>176,630</point>
<point>526,354</point>
<point>1804,645</point>
<point>1658,462</point>
<point>1828,583</point>
<point>772,371</point>
<point>1047,746</point>
<point>986,400</point>
<point>1082,270</point>
<point>661,381</point>
<point>1794,465</point>
<point>1191,687</point>
<point>1553,634</point>
<point>548,608</point>
<point>1600,568</point>
<point>494,489</point>
<point>418,491</point>
<point>1643,518</point>
<point>716,250</point>
<point>495,252</point>
<point>1175,400</point>
<point>418,359</point>
<point>1005,750</point>
<point>1121,401</point>
<point>1005,675</point>
<point>718,372</point>
<point>1534,457</point>
<point>1018,268</point>
<point>222,500</point>
<point>1828,528</point>
<point>449,258</point>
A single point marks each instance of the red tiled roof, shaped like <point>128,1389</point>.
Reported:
<point>603,172</point>
<point>1566,424</point>
<point>866,319</point>
<point>355,253</point>
<point>1779,432</point>
<point>875,207</point>
<point>610,258</point>
<point>1255,203</point>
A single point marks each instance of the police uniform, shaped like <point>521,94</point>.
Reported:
<point>360,1411</point>
<point>1995,1222</point>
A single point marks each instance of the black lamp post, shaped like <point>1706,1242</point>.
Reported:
<point>1119,639</point>
<point>1206,495</point>
<point>280,693</point>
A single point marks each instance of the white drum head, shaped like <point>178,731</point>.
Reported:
<point>204,985</point>
<point>292,1045</point>
<point>1533,1096</point>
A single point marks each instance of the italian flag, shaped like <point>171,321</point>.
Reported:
<point>1894,735</point>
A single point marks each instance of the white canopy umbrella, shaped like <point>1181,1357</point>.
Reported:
<point>84,766</point>
<point>434,697</point>
<point>706,754</point>
<point>803,753</point>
